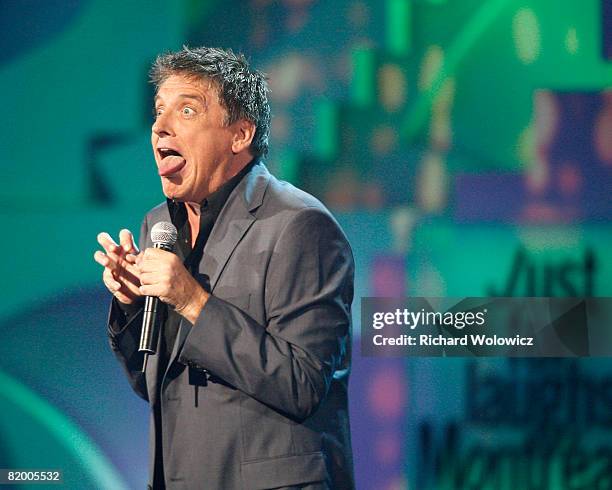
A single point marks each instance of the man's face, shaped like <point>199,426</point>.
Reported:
<point>191,143</point>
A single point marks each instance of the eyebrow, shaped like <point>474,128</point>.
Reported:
<point>199,98</point>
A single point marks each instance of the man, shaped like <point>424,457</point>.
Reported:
<point>249,385</point>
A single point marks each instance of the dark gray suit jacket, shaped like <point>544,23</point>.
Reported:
<point>255,393</point>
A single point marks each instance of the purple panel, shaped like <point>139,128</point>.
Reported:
<point>489,197</point>
<point>570,177</point>
<point>379,393</point>
<point>389,276</point>
<point>378,404</point>
<point>578,155</point>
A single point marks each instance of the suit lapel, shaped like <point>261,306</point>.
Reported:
<point>233,222</point>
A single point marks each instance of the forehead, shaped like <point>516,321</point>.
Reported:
<point>178,85</point>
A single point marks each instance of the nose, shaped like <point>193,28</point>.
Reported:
<point>162,126</point>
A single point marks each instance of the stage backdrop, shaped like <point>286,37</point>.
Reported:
<point>465,147</point>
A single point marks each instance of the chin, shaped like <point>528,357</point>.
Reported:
<point>175,189</point>
<point>172,194</point>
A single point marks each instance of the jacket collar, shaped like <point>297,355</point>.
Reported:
<point>253,187</point>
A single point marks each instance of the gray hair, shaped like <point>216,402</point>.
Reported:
<point>243,92</point>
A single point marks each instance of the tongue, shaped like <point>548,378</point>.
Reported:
<point>170,165</point>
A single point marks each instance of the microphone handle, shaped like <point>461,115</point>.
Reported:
<point>150,327</point>
<point>150,322</point>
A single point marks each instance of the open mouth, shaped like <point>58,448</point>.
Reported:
<point>171,161</point>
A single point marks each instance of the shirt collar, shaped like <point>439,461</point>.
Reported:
<point>217,199</point>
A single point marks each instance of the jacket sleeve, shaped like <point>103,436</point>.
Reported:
<point>124,327</point>
<point>288,363</point>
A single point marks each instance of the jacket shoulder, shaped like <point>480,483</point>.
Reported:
<point>293,209</point>
<point>283,196</point>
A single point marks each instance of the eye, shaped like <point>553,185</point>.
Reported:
<point>157,111</point>
<point>188,111</point>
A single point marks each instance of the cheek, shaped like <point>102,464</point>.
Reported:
<point>199,154</point>
<point>154,139</point>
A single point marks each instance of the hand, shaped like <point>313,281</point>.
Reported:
<point>120,275</point>
<point>162,274</point>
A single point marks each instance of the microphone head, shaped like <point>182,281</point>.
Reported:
<point>164,234</point>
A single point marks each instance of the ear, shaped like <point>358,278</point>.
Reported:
<point>244,131</point>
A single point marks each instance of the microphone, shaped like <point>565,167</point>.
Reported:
<point>163,235</point>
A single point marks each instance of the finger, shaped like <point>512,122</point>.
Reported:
<point>132,258</point>
<point>121,272</point>
<point>124,298</point>
<point>126,265</point>
<point>108,243</point>
<point>127,274</point>
<point>121,289</point>
<point>151,290</point>
<point>108,261</point>
<point>148,262</point>
<point>113,286</point>
<point>157,253</point>
<point>127,241</point>
<point>110,282</point>
<point>147,266</point>
<point>139,258</point>
<point>148,278</point>
<point>101,258</point>
<point>157,260</point>
<point>117,263</point>
<point>156,266</point>
<point>130,289</point>
<point>150,253</point>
